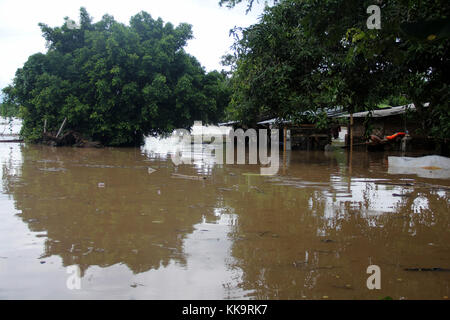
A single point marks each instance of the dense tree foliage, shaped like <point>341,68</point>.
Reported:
<point>308,54</point>
<point>116,83</point>
<point>7,107</point>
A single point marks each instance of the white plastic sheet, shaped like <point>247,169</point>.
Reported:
<point>436,167</point>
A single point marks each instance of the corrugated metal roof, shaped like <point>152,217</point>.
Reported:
<point>229,123</point>
<point>331,113</point>
<point>384,112</point>
<point>337,112</point>
<point>274,120</point>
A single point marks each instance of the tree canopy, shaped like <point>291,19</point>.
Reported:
<point>116,83</point>
<point>307,55</point>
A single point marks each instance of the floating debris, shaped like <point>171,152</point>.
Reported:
<point>183,176</point>
<point>256,189</point>
<point>401,195</point>
<point>346,287</point>
<point>225,189</point>
<point>427,269</point>
<point>263,233</point>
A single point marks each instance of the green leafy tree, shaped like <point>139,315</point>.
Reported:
<point>307,54</point>
<point>285,65</point>
<point>116,83</point>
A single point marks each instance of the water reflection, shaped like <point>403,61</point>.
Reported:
<point>309,232</point>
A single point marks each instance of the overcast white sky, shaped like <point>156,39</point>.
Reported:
<point>21,37</point>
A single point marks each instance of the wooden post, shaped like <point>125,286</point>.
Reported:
<point>351,131</point>
<point>351,144</point>
<point>62,126</point>
<point>45,125</point>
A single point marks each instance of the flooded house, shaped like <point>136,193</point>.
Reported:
<point>305,135</point>
<point>388,122</point>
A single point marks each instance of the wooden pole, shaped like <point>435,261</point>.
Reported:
<point>45,125</point>
<point>351,144</point>
<point>351,131</point>
<point>62,126</point>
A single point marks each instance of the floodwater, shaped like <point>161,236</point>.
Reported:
<point>135,230</point>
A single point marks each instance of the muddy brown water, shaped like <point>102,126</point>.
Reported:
<point>308,233</point>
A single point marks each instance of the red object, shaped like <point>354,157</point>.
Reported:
<point>395,135</point>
